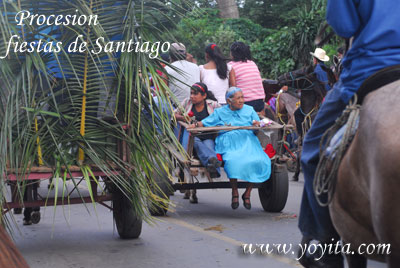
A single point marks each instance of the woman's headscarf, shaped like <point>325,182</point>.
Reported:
<point>230,92</point>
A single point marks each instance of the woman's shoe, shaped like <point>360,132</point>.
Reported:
<point>235,205</point>
<point>246,204</point>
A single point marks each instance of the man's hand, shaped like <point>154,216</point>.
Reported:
<point>256,123</point>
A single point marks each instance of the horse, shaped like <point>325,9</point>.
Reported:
<point>312,94</point>
<point>271,88</point>
<point>10,257</point>
<point>364,202</point>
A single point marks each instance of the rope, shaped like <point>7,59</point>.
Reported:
<point>307,122</point>
<point>277,110</point>
<point>327,169</point>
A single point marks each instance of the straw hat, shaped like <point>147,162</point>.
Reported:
<point>320,54</point>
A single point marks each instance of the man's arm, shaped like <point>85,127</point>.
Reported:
<point>343,16</point>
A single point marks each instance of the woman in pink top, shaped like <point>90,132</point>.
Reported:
<point>216,73</point>
<point>247,76</point>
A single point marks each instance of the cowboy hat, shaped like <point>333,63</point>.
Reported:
<point>178,48</point>
<point>320,54</point>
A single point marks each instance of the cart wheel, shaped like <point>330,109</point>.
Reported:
<point>165,186</point>
<point>274,192</point>
<point>35,217</point>
<point>128,224</point>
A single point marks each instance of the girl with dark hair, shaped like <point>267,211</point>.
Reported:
<point>216,74</point>
<point>200,105</point>
<point>241,151</point>
<point>247,76</point>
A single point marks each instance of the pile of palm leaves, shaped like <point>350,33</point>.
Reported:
<point>69,109</point>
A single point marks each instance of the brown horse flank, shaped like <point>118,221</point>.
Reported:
<point>365,197</point>
<point>10,257</point>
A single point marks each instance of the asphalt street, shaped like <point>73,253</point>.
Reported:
<point>207,234</point>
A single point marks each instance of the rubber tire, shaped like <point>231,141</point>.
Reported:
<point>274,192</point>
<point>165,186</point>
<point>129,226</point>
<point>35,217</point>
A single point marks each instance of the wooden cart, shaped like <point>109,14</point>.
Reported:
<point>127,223</point>
<point>273,193</point>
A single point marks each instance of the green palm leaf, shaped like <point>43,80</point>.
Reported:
<point>56,103</point>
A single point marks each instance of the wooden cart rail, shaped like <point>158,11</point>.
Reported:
<point>191,161</point>
<point>45,173</point>
<point>272,126</point>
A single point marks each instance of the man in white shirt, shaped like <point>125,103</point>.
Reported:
<point>184,74</point>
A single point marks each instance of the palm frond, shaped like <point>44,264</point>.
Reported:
<point>53,104</point>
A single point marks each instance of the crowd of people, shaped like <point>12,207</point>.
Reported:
<point>225,91</point>
<point>238,95</point>
<point>222,92</point>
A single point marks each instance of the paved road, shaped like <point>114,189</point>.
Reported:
<point>207,234</point>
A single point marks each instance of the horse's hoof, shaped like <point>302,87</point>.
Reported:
<point>193,199</point>
<point>187,195</point>
<point>27,222</point>
<point>17,211</point>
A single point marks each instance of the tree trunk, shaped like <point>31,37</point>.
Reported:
<point>10,256</point>
<point>228,9</point>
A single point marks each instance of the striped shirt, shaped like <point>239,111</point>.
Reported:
<point>248,79</point>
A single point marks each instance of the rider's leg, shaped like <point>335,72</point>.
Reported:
<point>314,220</point>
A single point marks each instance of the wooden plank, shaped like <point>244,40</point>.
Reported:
<point>182,159</point>
<point>45,169</point>
<point>273,126</point>
<point>212,185</point>
<point>60,201</point>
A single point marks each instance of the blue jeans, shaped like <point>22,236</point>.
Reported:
<point>315,221</point>
<point>205,150</point>
<point>258,105</point>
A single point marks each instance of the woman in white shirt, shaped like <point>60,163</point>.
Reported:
<point>216,73</point>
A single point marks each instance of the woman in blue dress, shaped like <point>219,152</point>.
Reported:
<point>241,151</point>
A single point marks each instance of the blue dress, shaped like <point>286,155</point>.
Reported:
<point>241,150</point>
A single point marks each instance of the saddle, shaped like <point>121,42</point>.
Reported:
<point>378,80</point>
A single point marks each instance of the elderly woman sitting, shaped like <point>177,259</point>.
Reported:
<point>241,151</point>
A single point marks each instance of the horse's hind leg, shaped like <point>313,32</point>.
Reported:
<point>193,197</point>
<point>356,261</point>
<point>298,167</point>
<point>297,172</point>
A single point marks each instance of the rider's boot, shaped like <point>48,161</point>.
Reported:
<point>327,260</point>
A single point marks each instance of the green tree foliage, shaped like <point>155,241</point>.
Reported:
<point>276,48</point>
<point>273,14</point>
<point>200,28</point>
